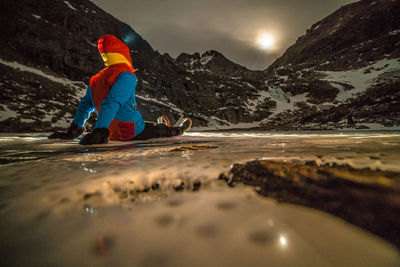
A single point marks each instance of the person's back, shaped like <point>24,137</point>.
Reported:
<point>111,93</point>
<point>126,122</point>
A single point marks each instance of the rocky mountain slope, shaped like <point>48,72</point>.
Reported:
<point>342,74</point>
<point>49,53</point>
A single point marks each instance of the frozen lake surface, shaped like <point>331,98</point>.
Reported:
<point>159,203</point>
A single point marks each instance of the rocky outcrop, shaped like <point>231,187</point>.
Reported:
<point>364,197</point>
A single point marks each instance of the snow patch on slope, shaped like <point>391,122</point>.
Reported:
<point>69,5</point>
<point>395,32</point>
<point>343,93</point>
<point>168,105</point>
<point>281,98</point>
<point>360,79</point>
<point>219,124</point>
<point>6,113</point>
<point>252,104</point>
<point>64,81</point>
<point>206,59</point>
<point>284,101</point>
<point>249,85</point>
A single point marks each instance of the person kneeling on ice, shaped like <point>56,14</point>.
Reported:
<point>111,93</point>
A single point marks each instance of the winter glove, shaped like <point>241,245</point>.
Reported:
<point>73,132</point>
<point>98,136</point>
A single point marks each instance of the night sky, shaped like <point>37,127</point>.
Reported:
<point>232,27</point>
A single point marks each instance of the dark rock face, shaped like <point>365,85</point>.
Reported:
<point>31,106</point>
<point>349,38</point>
<point>346,67</point>
<point>309,87</point>
<point>60,38</point>
<point>367,198</point>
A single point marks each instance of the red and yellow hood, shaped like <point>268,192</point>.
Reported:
<point>113,51</point>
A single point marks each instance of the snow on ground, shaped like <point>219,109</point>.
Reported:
<point>195,62</point>
<point>92,44</point>
<point>251,104</point>
<point>21,67</point>
<point>206,59</point>
<point>335,28</point>
<point>214,124</point>
<point>284,77</point>
<point>190,64</point>
<point>278,94</point>
<point>284,101</point>
<point>360,79</point>
<point>249,85</point>
<point>380,127</point>
<point>343,93</point>
<point>395,32</point>
<point>27,120</point>
<point>69,5</point>
<point>7,113</point>
<point>168,105</point>
<point>78,93</point>
<point>317,27</point>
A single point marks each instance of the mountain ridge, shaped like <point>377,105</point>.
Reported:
<point>302,89</point>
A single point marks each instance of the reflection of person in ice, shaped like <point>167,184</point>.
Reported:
<point>111,93</point>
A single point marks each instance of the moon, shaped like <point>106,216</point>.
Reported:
<point>266,41</point>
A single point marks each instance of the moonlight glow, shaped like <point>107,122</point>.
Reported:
<point>282,241</point>
<point>266,41</point>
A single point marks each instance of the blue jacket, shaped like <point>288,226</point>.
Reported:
<point>120,103</point>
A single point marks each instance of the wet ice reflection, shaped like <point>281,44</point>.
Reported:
<point>146,203</point>
<point>282,241</point>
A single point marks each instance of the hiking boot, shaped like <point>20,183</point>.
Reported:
<point>184,125</point>
<point>164,120</point>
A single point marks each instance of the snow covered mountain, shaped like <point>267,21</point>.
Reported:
<point>344,73</point>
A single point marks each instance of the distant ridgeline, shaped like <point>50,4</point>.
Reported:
<point>343,73</point>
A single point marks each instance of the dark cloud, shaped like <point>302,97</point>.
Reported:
<point>228,26</point>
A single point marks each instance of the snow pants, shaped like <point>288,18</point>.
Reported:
<point>154,130</point>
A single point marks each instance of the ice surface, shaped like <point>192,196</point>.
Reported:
<point>65,204</point>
